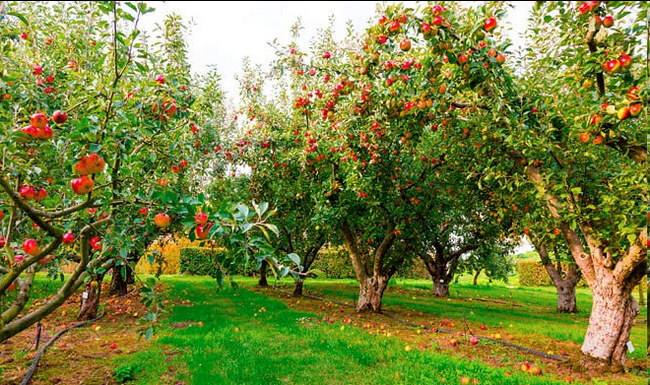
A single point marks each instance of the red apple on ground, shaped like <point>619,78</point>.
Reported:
<point>483,327</point>
<point>30,246</point>
<point>473,340</point>
<point>525,367</point>
<point>453,342</point>
<point>59,117</point>
<point>68,238</point>
<point>535,371</point>
<point>82,185</point>
<point>162,220</point>
<point>464,380</point>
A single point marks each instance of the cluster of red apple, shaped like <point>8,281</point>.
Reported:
<point>587,6</point>
<point>465,380</point>
<point>88,165</point>
<point>28,193</point>
<point>38,128</point>
<point>526,367</point>
<point>202,225</point>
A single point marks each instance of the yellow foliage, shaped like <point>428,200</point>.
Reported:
<point>166,253</point>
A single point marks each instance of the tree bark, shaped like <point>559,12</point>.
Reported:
<point>475,280</point>
<point>90,305</point>
<point>297,288</point>
<point>612,315</point>
<point>642,300</point>
<point>371,292</point>
<point>565,286</point>
<point>262,282</point>
<point>440,289</point>
<point>119,283</point>
<point>566,297</point>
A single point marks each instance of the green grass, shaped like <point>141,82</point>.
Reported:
<point>274,347</point>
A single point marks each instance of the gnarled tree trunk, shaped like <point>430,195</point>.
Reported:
<point>119,283</point>
<point>371,292</point>
<point>564,281</point>
<point>90,304</point>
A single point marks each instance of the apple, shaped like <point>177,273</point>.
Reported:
<point>425,28</point>
<point>613,66</point>
<point>202,231</point>
<point>37,70</point>
<point>30,246</point>
<point>394,26</point>
<point>474,381</point>
<point>473,341</point>
<point>92,210</point>
<point>160,79</point>
<point>462,59</point>
<point>327,55</point>
<point>38,120</point>
<point>585,137</point>
<point>464,380</point>
<point>437,20</point>
<point>625,61</point>
<point>492,52</point>
<point>169,108</point>
<point>40,194</point>
<point>68,238</point>
<point>24,35</point>
<point>595,119</point>
<point>635,109</point>
<point>599,139</point>
<point>490,23</point>
<point>82,185</point>
<point>501,59</point>
<point>588,84</point>
<point>608,21</point>
<point>201,218</point>
<point>408,348</point>
<point>44,133</point>
<point>3,241</point>
<point>59,117</point>
<point>405,45</point>
<point>90,164</point>
<point>535,371</point>
<point>633,94</point>
<point>525,367</point>
<point>27,192</point>
<point>144,211</point>
<point>19,258</point>
<point>30,131</point>
<point>623,113</point>
<point>453,342</point>
<point>483,327</point>
<point>95,243</point>
<point>162,220</point>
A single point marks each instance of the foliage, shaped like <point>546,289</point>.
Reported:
<point>165,253</point>
<point>125,373</point>
<point>200,261</point>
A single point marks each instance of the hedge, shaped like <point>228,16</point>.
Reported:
<point>532,273</point>
<point>166,255</point>
<point>200,261</point>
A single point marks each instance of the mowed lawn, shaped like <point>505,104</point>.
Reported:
<point>249,337</point>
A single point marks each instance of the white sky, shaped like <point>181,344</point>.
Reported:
<point>226,32</point>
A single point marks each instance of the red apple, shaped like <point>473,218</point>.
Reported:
<point>613,66</point>
<point>169,108</point>
<point>483,327</point>
<point>633,94</point>
<point>327,55</point>
<point>90,164</point>
<point>201,218</point>
<point>59,117</point>
<point>144,211</point>
<point>202,231</point>
<point>462,59</point>
<point>437,20</point>
<point>68,238</point>
<point>40,194</point>
<point>453,342</point>
<point>405,45</point>
<point>394,26</point>
<point>492,52</point>
<point>599,139</point>
<point>525,367</point>
<point>27,192</point>
<point>30,131</point>
<point>585,137</point>
<point>95,243</point>
<point>635,109</point>
<point>82,185</point>
<point>37,70</point>
<point>595,119</point>
<point>464,380</point>
<point>160,79</point>
<point>501,59</point>
<point>19,258</point>
<point>44,133</point>
<point>3,241</point>
<point>30,246</point>
<point>162,220</point>
<point>490,23</point>
<point>534,110</point>
<point>473,341</point>
<point>625,61</point>
<point>608,21</point>
<point>38,120</point>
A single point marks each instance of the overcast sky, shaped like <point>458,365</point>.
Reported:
<point>226,32</point>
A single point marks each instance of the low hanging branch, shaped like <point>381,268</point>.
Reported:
<point>32,368</point>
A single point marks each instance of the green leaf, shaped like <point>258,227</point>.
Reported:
<point>94,147</point>
<point>148,333</point>
<point>294,258</point>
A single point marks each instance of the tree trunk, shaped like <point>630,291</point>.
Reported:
<point>566,296</point>
<point>371,291</point>
<point>262,282</point>
<point>642,300</point>
<point>119,285</point>
<point>90,305</point>
<point>612,314</point>
<point>297,288</point>
<point>475,281</point>
<point>440,289</point>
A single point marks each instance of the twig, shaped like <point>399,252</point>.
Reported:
<point>32,368</point>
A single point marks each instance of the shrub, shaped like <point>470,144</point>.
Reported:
<point>200,261</point>
<point>334,261</point>
<point>166,254</point>
<point>532,273</point>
